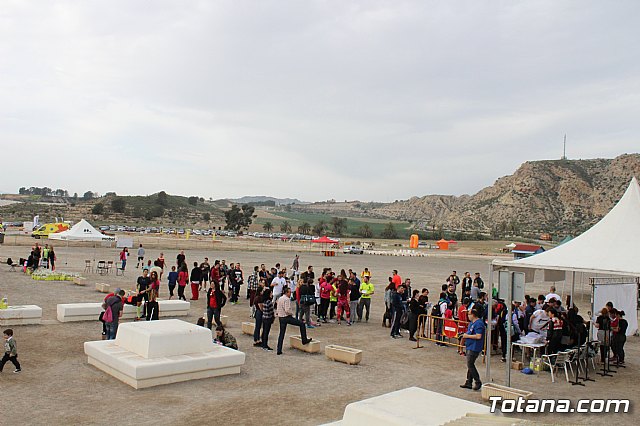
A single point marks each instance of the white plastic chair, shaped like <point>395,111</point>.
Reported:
<point>559,360</point>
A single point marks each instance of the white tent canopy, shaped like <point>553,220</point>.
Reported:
<point>82,231</point>
<point>610,247</point>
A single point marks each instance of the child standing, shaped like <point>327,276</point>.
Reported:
<point>10,351</point>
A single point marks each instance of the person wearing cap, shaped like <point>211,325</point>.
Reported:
<point>277,286</point>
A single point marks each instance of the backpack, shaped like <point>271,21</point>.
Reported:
<point>108,314</point>
<point>435,310</point>
<point>404,320</point>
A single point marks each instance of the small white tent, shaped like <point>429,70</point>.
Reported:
<point>82,231</point>
<point>610,247</point>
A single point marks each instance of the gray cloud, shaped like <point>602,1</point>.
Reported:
<point>371,100</point>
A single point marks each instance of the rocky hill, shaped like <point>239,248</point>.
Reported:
<point>560,197</point>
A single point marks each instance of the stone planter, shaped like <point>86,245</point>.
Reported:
<point>312,347</point>
<point>247,328</point>
<point>343,354</point>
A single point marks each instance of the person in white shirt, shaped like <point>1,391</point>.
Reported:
<point>552,295</point>
<point>285,317</point>
<point>277,286</point>
<point>140,256</point>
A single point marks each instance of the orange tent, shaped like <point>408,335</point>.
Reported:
<point>443,244</point>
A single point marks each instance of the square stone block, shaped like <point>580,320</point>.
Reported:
<point>103,288</point>
<point>311,347</point>
<point>410,406</point>
<point>343,354</point>
<point>248,328</point>
<point>80,281</point>
<point>140,372</point>
<point>164,338</point>
<point>21,315</point>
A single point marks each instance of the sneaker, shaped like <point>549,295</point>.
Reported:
<point>278,353</point>
<point>413,339</point>
<point>349,323</point>
<point>466,386</point>
<point>257,344</point>
<point>267,349</point>
<point>395,336</point>
<point>503,359</point>
<point>477,386</point>
<point>307,342</point>
<point>310,326</point>
<point>17,370</point>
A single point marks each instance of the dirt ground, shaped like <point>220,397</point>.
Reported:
<point>57,386</point>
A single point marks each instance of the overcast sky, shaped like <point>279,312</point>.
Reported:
<point>369,100</point>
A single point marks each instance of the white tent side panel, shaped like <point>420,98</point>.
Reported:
<point>623,296</point>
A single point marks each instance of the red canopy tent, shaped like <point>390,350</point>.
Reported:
<point>324,240</point>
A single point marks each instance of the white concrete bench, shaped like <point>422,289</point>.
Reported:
<point>343,354</point>
<point>154,353</point>
<point>312,347</point>
<point>70,312</point>
<point>21,315</point>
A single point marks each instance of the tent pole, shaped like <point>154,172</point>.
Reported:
<point>488,341</point>
<point>573,285</point>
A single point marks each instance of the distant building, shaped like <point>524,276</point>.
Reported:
<point>521,251</point>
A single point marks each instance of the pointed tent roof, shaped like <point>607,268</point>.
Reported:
<point>81,231</point>
<point>609,247</point>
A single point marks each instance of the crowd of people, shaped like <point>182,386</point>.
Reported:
<point>39,257</point>
<point>304,299</point>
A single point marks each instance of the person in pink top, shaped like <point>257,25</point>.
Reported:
<point>124,255</point>
<point>325,295</point>
<point>183,278</point>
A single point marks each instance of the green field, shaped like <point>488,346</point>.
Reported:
<point>353,224</point>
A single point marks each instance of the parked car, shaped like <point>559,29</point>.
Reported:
<point>352,250</point>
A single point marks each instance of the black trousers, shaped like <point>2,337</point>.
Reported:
<point>256,330</point>
<point>181,292</point>
<point>332,311</point>
<point>413,324</point>
<point>324,307</point>
<point>283,329</point>
<point>213,313</point>
<point>7,357</point>
<point>236,292</point>
<point>472,371</point>
<point>266,328</point>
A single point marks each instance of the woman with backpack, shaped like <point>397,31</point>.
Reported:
<point>183,277</point>
<point>307,298</point>
<point>216,299</point>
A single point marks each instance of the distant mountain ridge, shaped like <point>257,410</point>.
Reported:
<point>263,198</point>
<point>555,196</point>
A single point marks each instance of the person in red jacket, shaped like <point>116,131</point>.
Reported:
<point>183,278</point>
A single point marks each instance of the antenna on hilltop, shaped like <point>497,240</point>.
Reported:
<point>564,148</point>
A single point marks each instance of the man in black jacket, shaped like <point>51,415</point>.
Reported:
<point>398,310</point>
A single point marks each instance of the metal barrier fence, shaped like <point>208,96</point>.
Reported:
<point>440,330</point>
